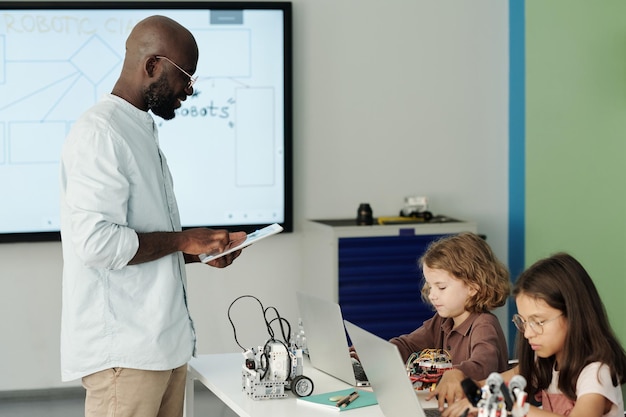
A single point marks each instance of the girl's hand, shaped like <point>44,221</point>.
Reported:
<point>461,408</point>
<point>448,389</point>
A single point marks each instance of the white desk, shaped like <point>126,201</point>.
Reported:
<point>221,373</point>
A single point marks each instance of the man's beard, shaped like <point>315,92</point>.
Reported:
<point>160,98</point>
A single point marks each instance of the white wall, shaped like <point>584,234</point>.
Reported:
<point>392,98</point>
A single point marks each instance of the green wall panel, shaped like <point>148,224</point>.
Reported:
<point>576,140</point>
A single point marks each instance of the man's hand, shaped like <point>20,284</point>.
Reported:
<point>214,242</point>
<point>192,242</point>
<point>202,240</point>
<point>224,261</point>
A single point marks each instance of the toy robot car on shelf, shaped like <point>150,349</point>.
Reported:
<point>416,207</point>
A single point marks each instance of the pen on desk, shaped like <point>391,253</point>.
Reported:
<point>345,399</point>
<point>353,397</point>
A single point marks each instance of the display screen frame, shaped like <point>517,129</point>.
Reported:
<point>283,130</point>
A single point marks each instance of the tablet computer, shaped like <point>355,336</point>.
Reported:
<point>250,238</point>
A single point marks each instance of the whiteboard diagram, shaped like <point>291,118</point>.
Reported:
<point>55,64</point>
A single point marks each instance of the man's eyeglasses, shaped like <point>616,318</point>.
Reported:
<point>192,79</point>
<point>535,325</point>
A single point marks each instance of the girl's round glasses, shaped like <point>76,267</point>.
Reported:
<point>535,325</point>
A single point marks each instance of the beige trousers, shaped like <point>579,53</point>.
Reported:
<point>127,392</point>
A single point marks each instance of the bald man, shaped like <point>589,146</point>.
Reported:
<point>126,329</point>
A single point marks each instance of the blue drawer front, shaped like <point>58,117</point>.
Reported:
<point>380,283</point>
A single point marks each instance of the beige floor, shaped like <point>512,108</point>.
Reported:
<point>69,403</point>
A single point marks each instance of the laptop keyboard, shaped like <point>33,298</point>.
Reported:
<point>432,412</point>
<point>359,372</point>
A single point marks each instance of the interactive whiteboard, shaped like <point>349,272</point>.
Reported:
<point>229,146</point>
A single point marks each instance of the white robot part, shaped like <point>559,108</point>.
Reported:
<point>271,369</point>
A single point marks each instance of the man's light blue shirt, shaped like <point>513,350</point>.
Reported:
<point>115,183</point>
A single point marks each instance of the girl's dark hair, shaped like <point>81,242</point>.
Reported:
<point>562,283</point>
<point>468,257</point>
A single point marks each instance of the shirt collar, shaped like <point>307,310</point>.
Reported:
<point>130,108</point>
<point>463,329</point>
<point>145,117</point>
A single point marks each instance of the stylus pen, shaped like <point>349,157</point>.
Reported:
<point>352,397</point>
<point>346,399</point>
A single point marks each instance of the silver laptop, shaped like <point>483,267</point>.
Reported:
<point>387,374</point>
<point>326,339</point>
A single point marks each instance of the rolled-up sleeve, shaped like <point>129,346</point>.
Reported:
<point>96,195</point>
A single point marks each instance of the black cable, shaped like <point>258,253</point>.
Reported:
<point>233,324</point>
<point>266,366</point>
<point>281,321</point>
<point>268,325</point>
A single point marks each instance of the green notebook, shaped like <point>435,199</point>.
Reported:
<point>364,399</point>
